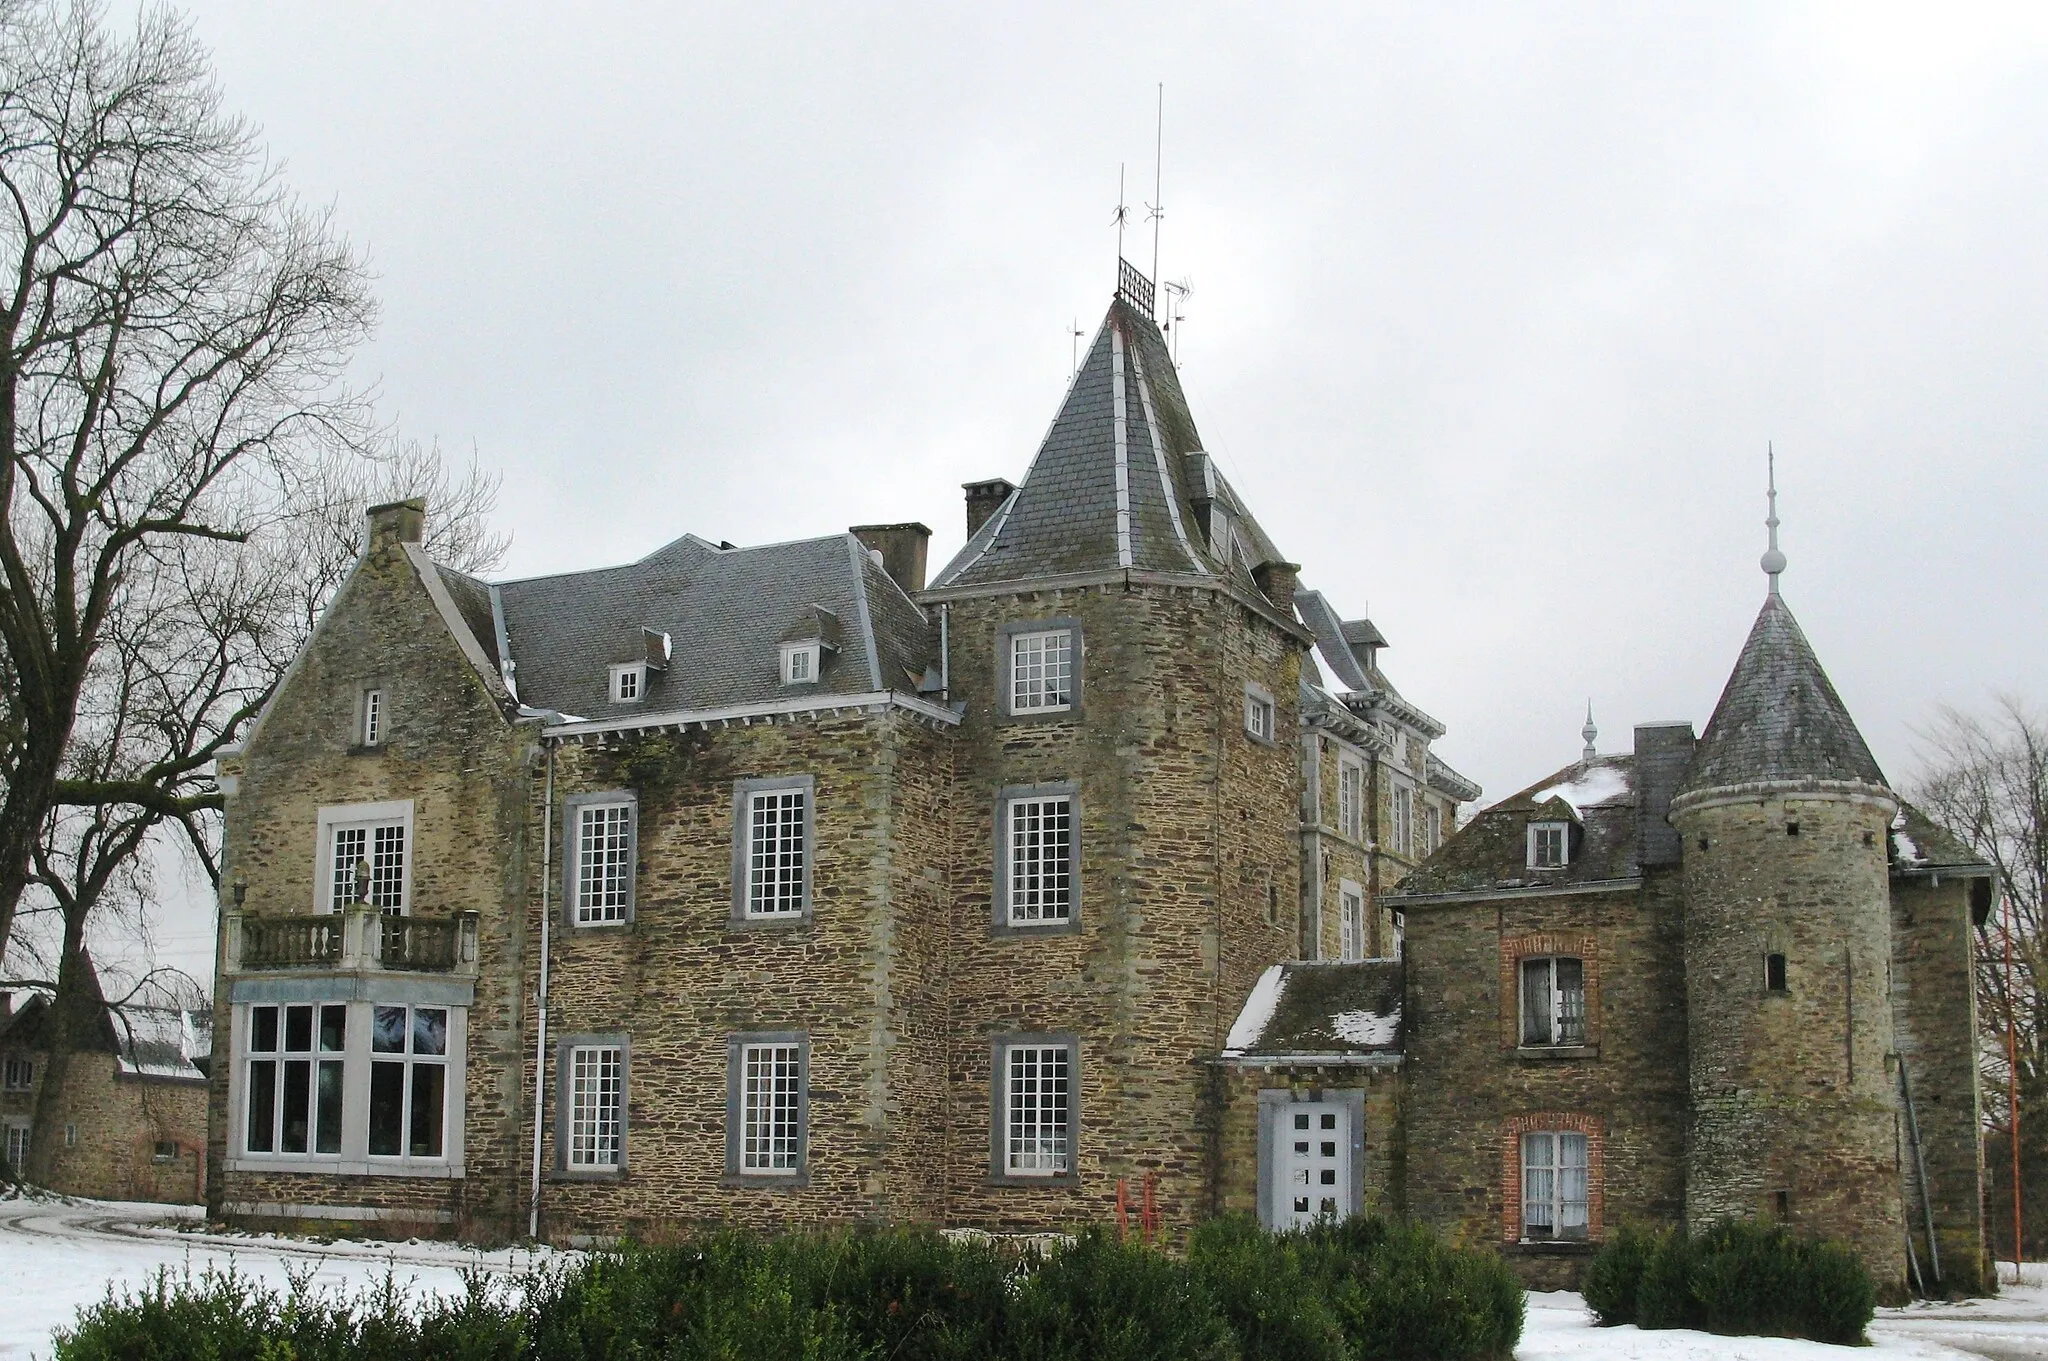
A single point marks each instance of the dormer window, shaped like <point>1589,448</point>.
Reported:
<point>629,683</point>
<point>799,663</point>
<point>1549,845</point>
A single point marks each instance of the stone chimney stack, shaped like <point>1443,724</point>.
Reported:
<point>1663,755</point>
<point>903,551</point>
<point>984,499</point>
<point>1278,580</point>
<point>397,522</point>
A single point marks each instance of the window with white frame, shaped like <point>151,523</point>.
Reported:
<point>1042,671</point>
<point>629,682</point>
<point>1038,879</point>
<point>17,1146</point>
<point>777,860</point>
<point>799,663</point>
<point>771,1109</point>
<point>1351,920</point>
<point>596,1102</point>
<point>364,850</point>
<point>603,849</point>
<point>1432,827</point>
<point>408,1081</point>
<point>1036,1108</point>
<point>1549,845</point>
<point>17,1074</point>
<point>1555,1185</point>
<point>1351,798</point>
<point>293,1079</point>
<point>1553,1001</point>
<point>374,716</point>
<point>1403,819</point>
<point>1258,713</point>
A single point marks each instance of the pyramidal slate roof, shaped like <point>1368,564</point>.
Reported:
<point>1779,718</point>
<point>1119,482</point>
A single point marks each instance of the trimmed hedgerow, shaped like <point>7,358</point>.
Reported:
<point>1739,1277</point>
<point>1350,1292</point>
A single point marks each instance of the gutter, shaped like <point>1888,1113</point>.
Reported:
<point>1487,895</point>
<point>744,713</point>
<point>1309,1060</point>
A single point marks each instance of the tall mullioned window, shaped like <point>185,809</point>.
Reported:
<point>1553,1001</point>
<point>1042,671</point>
<point>775,857</point>
<point>368,866</point>
<point>408,1081</point>
<point>1351,920</point>
<point>1555,1185</point>
<point>597,1107</point>
<point>1351,799</point>
<point>1037,1099</point>
<point>373,718</point>
<point>771,1109</point>
<point>293,1079</point>
<point>1403,820</point>
<point>604,867</point>
<point>1040,844</point>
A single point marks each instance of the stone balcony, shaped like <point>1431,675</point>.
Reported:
<point>355,940</point>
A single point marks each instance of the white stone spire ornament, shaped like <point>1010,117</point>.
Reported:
<point>1773,562</point>
<point>1589,732</point>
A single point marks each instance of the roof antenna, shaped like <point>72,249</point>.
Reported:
<point>1156,209</point>
<point>1773,562</point>
<point>1177,291</point>
<point>1074,349</point>
<point>1122,215</point>
<point>1589,732</point>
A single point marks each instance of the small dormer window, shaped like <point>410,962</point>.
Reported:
<point>1549,845</point>
<point>799,663</point>
<point>629,683</point>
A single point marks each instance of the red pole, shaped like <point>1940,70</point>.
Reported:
<point>2012,1092</point>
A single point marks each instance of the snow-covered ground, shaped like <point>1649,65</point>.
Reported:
<point>57,1256</point>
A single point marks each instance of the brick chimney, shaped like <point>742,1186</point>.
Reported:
<point>1278,580</point>
<point>984,499</point>
<point>902,548</point>
<point>397,522</point>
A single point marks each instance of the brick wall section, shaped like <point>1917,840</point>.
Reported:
<point>1464,1087</point>
<point>1190,867</point>
<point>120,1119</point>
<point>1791,1091</point>
<point>452,751</point>
<point>1934,1017</point>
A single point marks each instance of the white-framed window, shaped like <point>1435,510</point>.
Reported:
<point>1038,868</point>
<point>17,1074</point>
<point>1351,798</point>
<point>293,1079</point>
<point>1042,671</point>
<point>1432,826</point>
<point>595,1079</point>
<point>629,682</point>
<point>408,1081</point>
<point>364,857</point>
<point>777,855</point>
<point>1554,1184</point>
<point>17,1145</point>
<point>799,663</point>
<point>1258,713</point>
<point>604,861</point>
<point>1402,823</point>
<point>1550,845</point>
<point>771,1109</point>
<point>1351,920</point>
<point>1036,1091</point>
<point>375,716</point>
<point>1553,1000</point>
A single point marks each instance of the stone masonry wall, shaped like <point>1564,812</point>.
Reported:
<point>450,749</point>
<point>1238,1089</point>
<point>1341,856</point>
<point>112,1124</point>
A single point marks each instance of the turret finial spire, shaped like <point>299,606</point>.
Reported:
<point>1589,732</point>
<point>1773,561</point>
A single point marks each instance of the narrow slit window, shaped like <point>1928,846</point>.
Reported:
<point>1774,973</point>
<point>373,718</point>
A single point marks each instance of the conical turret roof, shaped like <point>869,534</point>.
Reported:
<point>1119,482</point>
<point>1779,719</point>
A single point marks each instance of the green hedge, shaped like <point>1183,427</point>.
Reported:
<point>1353,1292</point>
<point>1740,1277</point>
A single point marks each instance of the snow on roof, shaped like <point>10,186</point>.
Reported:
<point>1908,849</point>
<point>1258,1011</point>
<point>1369,1028</point>
<point>1600,784</point>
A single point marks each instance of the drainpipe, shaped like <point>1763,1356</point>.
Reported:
<point>945,655</point>
<point>540,1044</point>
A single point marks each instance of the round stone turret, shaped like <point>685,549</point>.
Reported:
<point>1787,957</point>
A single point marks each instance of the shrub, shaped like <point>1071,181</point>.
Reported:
<point>911,1293</point>
<point>1400,1291</point>
<point>1266,1294</point>
<point>1615,1273</point>
<point>1099,1299</point>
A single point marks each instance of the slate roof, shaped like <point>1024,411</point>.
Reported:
<point>726,611</point>
<point>1075,513</point>
<point>1779,717</point>
<point>146,1041</point>
<point>1597,797</point>
<point>1918,842</point>
<point>1322,1009</point>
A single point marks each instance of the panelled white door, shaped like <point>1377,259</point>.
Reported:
<point>1312,1181</point>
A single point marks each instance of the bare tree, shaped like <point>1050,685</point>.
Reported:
<point>1986,779</point>
<point>173,330</point>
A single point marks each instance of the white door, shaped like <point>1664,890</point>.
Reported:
<point>1312,1146</point>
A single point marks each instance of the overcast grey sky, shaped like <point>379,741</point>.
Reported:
<point>1495,306</point>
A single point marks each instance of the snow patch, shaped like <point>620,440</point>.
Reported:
<point>1258,1011</point>
<point>1367,1029</point>
<point>1595,786</point>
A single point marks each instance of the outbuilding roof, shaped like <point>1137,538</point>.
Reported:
<point>1321,1010</point>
